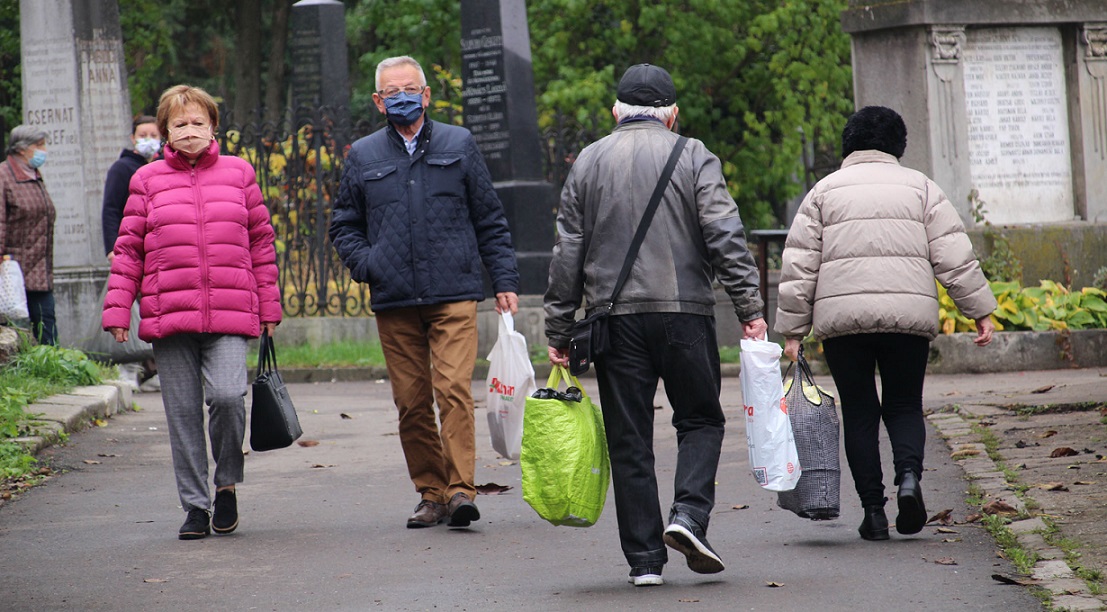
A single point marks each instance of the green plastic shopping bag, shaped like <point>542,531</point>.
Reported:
<point>564,461</point>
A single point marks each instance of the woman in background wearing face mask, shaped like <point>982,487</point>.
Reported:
<point>27,226</point>
<point>145,146</point>
<point>197,241</point>
<point>146,143</point>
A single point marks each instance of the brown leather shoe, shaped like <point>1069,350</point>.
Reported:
<point>462,511</point>
<point>427,514</point>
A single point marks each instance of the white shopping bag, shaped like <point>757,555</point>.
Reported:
<point>510,383</point>
<point>773,457</point>
<point>13,295</point>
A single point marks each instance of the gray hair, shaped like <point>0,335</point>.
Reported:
<point>23,136</point>
<point>400,60</point>
<point>626,111</point>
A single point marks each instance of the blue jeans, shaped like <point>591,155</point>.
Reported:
<point>40,305</point>
<point>680,349</point>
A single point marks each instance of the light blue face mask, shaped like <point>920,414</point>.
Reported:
<point>38,158</point>
<point>404,108</point>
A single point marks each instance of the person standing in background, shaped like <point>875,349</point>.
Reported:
<point>27,226</point>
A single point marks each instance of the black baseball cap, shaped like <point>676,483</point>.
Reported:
<point>646,85</point>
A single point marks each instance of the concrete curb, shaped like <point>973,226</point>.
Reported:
<point>1051,571</point>
<point>70,412</point>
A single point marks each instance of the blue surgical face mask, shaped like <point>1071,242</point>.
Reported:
<point>38,158</point>
<point>404,108</point>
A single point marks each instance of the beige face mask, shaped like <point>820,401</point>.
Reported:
<point>190,140</point>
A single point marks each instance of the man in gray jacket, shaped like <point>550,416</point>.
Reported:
<point>662,324</point>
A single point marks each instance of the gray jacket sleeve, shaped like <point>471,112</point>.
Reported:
<point>565,290</point>
<point>725,237</point>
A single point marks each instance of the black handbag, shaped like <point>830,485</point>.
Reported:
<point>589,337</point>
<point>273,422</point>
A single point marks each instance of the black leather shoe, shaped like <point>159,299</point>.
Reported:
<point>875,525</point>
<point>912,511</point>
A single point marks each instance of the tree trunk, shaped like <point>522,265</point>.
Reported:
<point>275,87</point>
<point>247,58</point>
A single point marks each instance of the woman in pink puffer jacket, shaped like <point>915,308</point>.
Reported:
<point>197,244</point>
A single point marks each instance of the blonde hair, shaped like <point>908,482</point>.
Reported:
<point>180,96</point>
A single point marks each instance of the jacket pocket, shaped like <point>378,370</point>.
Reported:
<point>381,184</point>
<point>445,176</point>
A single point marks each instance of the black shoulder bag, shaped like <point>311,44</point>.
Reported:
<point>273,421</point>
<point>589,335</point>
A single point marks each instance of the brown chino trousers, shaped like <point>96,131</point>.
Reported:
<point>434,348</point>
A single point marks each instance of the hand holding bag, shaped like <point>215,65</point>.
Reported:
<point>273,421</point>
<point>13,294</point>
<point>815,429</point>
<point>773,457</point>
<point>564,462</point>
<point>510,381</point>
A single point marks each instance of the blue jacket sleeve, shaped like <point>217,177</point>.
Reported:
<point>348,223</point>
<point>486,213</point>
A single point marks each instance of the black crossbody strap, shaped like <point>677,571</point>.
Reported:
<point>647,217</point>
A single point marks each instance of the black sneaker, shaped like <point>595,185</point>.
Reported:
<point>196,526</point>
<point>686,537</point>
<point>645,576</point>
<point>225,519</point>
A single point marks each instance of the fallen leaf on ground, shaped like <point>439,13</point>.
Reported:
<point>105,455</point>
<point>774,584</point>
<point>1053,486</point>
<point>1088,451</point>
<point>1048,434</point>
<point>100,422</point>
<point>155,580</point>
<point>344,415</point>
<point>969,452</point>
<point>999,507</point>
<point>951,540</point>
<point>1063,451</point>
<point>1043,389</point>
<point>740,507</point>
<point>1084,482</point>
<point>942,517</point>
<point>945,530</point>
<point>507,463</point>
<point>688,600</point>
<point>92,462</point>
<point>985,423</point>
<point>1015,581</point>
<point>492,489</point>
<point>322,465</point>
<point>946,561</point>
<point>307,443</point>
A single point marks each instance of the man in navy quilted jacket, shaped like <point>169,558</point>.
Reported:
<point>416,218</point>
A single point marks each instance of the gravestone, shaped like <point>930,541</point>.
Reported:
<point>318,49</point>
<point>75,89</point>
<point>1004,98</point>
<point>498,96</point>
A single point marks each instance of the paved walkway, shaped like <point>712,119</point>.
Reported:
<point>322,526</point>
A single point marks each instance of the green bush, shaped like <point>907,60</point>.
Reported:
<point>1048,307</point>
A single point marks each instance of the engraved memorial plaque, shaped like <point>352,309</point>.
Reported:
<point>1019,156</point>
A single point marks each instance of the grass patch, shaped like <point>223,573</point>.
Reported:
<point>1022,559</point>
<point>730,354</point>
<point>36,372</point>
<point>1027,411</point>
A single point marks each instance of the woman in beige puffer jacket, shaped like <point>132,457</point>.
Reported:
<point>858,274</point>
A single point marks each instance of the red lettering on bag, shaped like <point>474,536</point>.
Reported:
<point>791,468</point>
<point>784,405</point>
<point>749,410</point>
<point>498,386</point>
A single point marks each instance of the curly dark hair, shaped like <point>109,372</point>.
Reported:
<point>875,127</point>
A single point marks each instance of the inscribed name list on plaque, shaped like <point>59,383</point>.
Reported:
<point>482,56</point>
<point>1019,156</point>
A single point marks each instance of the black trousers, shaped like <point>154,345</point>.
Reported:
<point>682,350</point>
<point>901,359</point>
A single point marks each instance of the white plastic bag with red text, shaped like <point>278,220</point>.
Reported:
<point>773,457</point>
<point>510,382</point>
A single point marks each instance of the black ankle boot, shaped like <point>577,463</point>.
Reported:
<point>912,511</point>
<point>875,525</point>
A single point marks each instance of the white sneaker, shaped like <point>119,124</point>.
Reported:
<point>152,385</point>
<point>129,373</point>
<point>645,576</point>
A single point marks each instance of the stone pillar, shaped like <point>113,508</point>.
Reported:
<point>498,94</point>
<point>1091,76</point>
<point>75,88</point>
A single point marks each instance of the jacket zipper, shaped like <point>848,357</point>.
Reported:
<point>202,247</point>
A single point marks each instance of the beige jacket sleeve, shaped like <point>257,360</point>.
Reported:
<point>951,255</point>
<point>803,253</point>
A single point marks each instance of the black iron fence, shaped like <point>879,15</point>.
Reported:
<point>299,161</point>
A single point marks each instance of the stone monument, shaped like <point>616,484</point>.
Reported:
<point>318,47</point>
<point>498,95</point>
<point>75,89</point>
<point>1005,98</point>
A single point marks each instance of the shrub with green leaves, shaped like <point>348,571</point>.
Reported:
<point>1048,307</point>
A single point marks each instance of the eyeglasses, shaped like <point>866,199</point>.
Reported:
<point>411,90</point>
